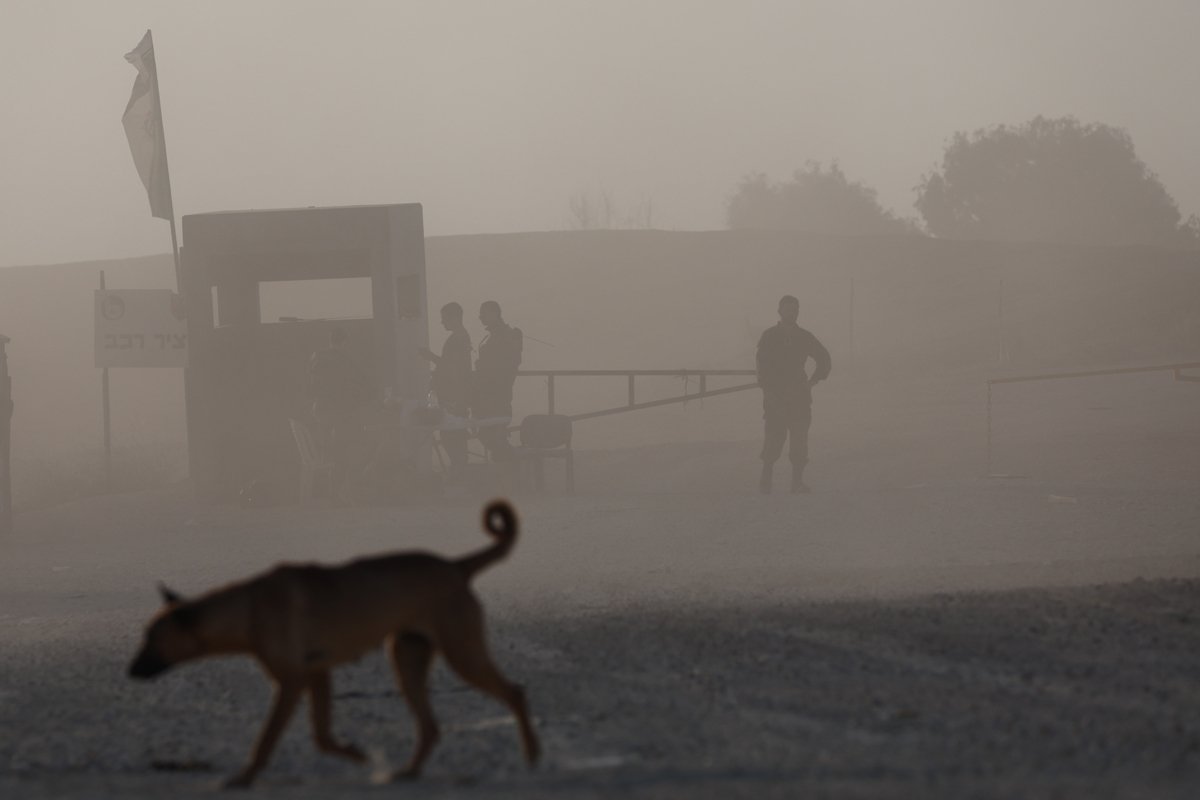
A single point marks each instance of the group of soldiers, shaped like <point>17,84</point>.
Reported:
<point>484,393</point>
<point>479,396</point>
<point>467,396</point>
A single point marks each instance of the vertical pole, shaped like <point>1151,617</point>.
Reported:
<point>166,163</point>
<point>6,410</point>
<point>107,417</point>
<point>631,389</point>
<point>550,394</point>
<point>175,251</point>
<point>989,430</point>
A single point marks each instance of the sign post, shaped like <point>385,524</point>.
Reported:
<point>136,328</point>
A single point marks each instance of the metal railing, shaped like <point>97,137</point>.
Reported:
<point>1179,376</point>
<point>1176,369</point>
<point>631,375</point>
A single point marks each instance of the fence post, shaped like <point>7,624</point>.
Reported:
<point>6,410</point>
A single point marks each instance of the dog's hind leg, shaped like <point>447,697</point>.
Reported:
<point>320,707</point>
<point>463,643</point>
<point>412,655</point>
<point>287,694</point>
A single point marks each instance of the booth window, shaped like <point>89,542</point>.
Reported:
<point>324,298</point>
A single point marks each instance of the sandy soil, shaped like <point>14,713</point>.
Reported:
<point>911,629</point>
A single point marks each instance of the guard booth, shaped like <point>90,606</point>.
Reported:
<point>248,376</point>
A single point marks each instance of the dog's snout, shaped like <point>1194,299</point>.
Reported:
<point>147,665</point>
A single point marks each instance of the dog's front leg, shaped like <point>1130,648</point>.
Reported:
<point>320,706</point>
<point>287,694</point>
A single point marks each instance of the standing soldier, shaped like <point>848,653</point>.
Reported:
<point>783,353</point>
<point>495,373</point>
<point>452,385</point>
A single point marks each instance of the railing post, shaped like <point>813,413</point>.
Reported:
<point>631,401</point>
<point>550,394</point>
<point>6,411</point>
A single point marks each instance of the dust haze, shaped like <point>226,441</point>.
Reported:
<point>987,582</point>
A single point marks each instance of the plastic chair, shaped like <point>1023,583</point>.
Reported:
<point>312,463</point>
<point>547,436</point>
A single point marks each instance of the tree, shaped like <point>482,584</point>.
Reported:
<point>601,213</point>
<point>1050,180</point>
<point>815,200</point>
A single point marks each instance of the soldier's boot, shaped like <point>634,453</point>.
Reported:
<point>798,484</point>
<point>765,480</point>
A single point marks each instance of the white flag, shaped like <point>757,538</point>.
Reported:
<point>144,129</point>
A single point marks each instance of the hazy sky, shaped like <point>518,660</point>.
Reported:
<point>492,114</point>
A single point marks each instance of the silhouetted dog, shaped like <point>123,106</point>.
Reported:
<point>299,621</point>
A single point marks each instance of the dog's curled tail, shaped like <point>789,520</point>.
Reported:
<point>499,520</point>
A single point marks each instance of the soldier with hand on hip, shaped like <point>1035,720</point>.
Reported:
<point>782,363</point>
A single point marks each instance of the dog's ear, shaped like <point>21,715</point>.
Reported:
<point>169,597</point>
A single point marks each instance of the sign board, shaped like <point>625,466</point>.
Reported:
<point>140,328</point>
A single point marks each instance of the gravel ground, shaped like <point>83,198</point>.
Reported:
<point>668,652</point>
<point>908,630</point>
<point>1083,692</point>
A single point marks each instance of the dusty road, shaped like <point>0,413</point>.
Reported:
<point>673,646</point>
<point>911,629</point>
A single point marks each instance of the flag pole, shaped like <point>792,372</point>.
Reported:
<point>146,132</point>
<point>162,132</point>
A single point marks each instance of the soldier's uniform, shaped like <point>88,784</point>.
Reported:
<point>452,384</point>
<point>783,354</point>
<point>495,373</point>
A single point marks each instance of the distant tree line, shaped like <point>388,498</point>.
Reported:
<point>597,211</point>
<point>816,200</point>
<point>1048,180</point>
